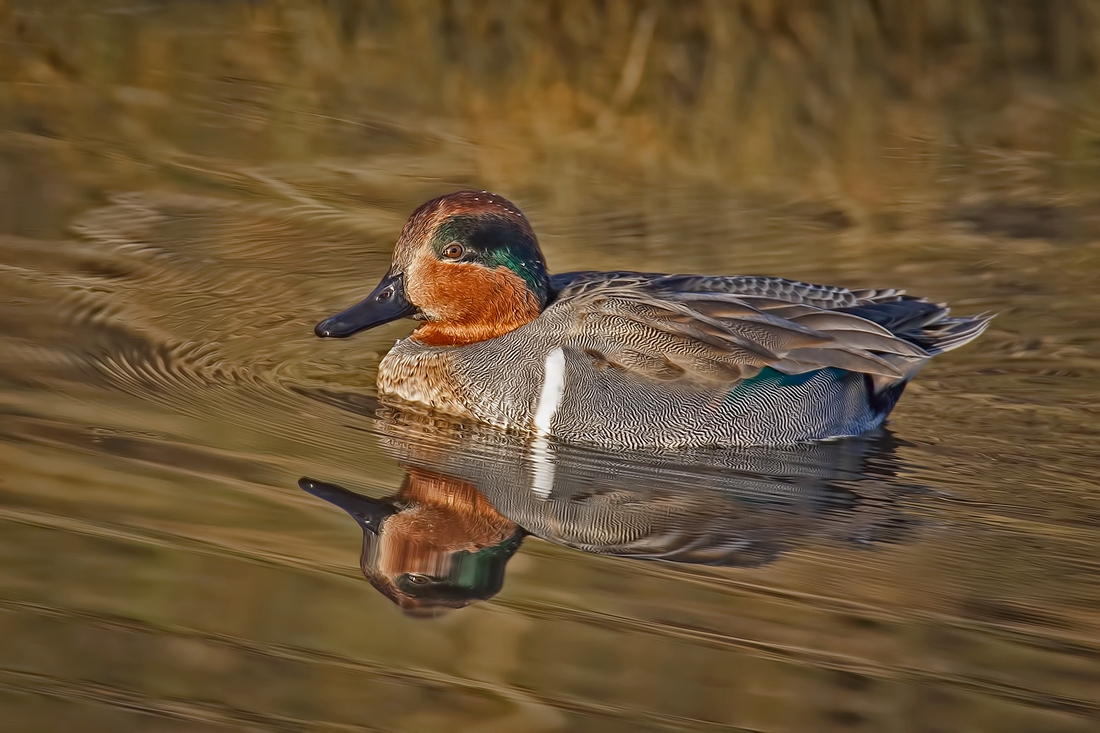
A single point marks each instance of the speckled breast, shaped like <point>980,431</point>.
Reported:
<point>504,382</point>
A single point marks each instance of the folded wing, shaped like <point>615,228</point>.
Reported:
<point>726,329</point>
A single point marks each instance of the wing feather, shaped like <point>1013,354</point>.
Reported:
<point>727,329</point>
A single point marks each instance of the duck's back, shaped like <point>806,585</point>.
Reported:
<point>643,360</point>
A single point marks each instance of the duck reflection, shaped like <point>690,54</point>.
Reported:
<point>470,496</point>
<point>436,544</point>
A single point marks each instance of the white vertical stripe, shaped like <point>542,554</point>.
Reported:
<point>542,458</point>
<point>553,386</point>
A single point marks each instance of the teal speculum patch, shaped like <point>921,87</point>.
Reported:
<point>769,377</point>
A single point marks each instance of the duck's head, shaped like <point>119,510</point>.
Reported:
<point>437,545</point>
<point>468,264</point>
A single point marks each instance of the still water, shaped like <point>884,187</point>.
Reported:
<point>192,482</point>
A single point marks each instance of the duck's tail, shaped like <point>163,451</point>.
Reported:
<point>946,333</point>
<point>920,322</point>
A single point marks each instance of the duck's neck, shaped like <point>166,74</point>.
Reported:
<point>436,333</point>
<point>498,304</point>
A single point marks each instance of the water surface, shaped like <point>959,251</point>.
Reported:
<point>189,186</point>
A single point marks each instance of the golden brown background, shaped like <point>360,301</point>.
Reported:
<point>187,186</point>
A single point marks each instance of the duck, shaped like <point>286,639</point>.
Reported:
<point>628,359</point>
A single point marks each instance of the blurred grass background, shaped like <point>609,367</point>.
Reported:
<point>186,569</point>
<point>886,110</point>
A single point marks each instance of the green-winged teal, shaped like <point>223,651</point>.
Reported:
<point>634,359</point>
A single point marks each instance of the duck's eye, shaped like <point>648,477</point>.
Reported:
<point>417,578</point>
<point>453,251</point>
